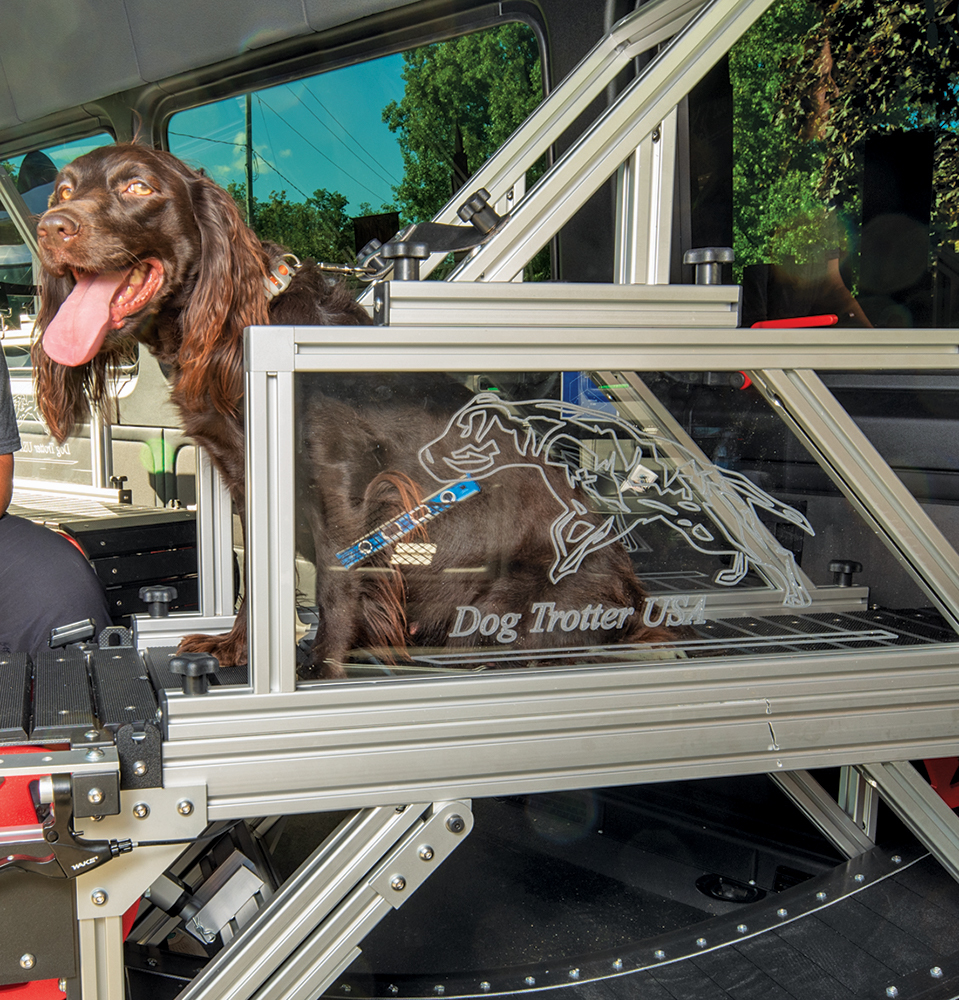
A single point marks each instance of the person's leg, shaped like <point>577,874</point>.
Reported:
<point>45,582</point>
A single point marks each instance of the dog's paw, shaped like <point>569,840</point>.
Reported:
<point>229,649</point>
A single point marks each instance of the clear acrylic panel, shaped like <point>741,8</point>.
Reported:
<point>478,522</point>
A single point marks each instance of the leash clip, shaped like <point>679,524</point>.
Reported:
<point>278,280</point>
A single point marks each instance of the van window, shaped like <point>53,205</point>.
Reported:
<point>323,164</point>
<point>844,165</point>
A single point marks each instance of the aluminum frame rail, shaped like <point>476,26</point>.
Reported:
<point>310,930</point>
<point>651,25</point>
<point>610,141</point>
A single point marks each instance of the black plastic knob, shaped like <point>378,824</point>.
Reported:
<point>708,262</point>
<point>406,256</point>
<point>842,571</point>
<point>477,211</point>
<point>158,599</point>
<point>195,669</point>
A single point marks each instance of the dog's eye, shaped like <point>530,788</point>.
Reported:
<point>64,192</point>
<point>140,188</point>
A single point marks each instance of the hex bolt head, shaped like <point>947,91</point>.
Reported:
<point>99,897</point>
<point>455,824</point>
<point>141,810</point>
<point>184,807</point>
<point>139,768</point>
<point>397,883</point>
<point>95,796</point>
<point>28,961</point>
<point>426,853</point>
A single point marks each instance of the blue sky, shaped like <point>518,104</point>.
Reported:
<point>322,132</point>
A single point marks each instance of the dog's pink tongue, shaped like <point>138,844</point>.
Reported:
<point>75,334</point>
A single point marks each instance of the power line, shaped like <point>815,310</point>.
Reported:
<point>368,159</point>
<point>317,149</point>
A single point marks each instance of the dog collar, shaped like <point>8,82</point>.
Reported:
<point>280,277</point>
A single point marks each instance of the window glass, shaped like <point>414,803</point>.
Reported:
<point>32,174</point>
<point>844,150</point>
<point>323,164</point>
<point>543,519</point>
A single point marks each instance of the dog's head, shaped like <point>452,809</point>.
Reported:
<point>136,245</point>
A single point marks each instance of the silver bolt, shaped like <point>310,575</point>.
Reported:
<point>439,990</point>
<point>62,985</point>
<point>530,980</point>
<point>95,796</point>
<point>139,768</point>
<point>659,953</point>
<point>574,973</point>
<point>393,988</point>
<point>935,972</point>
<point>184,807</point>
<point>90,734</point>
<point>99,897</point>
<point>782,912</point>
<point>28,961</point>
<point>701,942</point>
<point>862,878</point>
<point>485,987</point>
<point>742,928</point>
<point>398,883</point>
<point>94,753</point>
<point>821,896</point>
<point>618,964</point>
<point>891,991</point>
<point>426,852</point>
<point>896,859</point>
<point>141,810</point>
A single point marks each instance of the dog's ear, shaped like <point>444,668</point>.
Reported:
<point>229,295</point>
<point>60,390</point>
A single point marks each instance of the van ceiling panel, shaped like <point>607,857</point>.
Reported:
<point>55,55</point>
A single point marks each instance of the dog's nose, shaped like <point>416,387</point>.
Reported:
<point>57,225</point>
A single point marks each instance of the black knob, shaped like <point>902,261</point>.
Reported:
<point>158,600</point>
<point>708,262</point>
<point>196,670</point>
<point>842,571</point>
<point>477,211</point>
<point>406,256</point>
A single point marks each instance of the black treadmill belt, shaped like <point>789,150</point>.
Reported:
<point>15,681</point>
<point>61,695</point>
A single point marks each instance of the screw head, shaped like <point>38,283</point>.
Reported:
<point>782,912</point>
<point>99,897</point>
<point>821,896</point>
<point>618,964</point>
<point>95,796</point>
<point>94,753</point>
<point>28,961</point>
<point>62,985</point>
<point>530,980</point>
<point>485,986</point>
<point>701,942</point>
<point>91,735</point>
<point>141,810</point>
<point>574,973</point>
<point>659,953</point>
<point>397,883</point>
<point>184,807</point>
<point>742,928</point>
<point>862,878</point>
<point>139,768</point>
<point>891,991</point>
<point>426,852</point>
<point>455,824</point>
<point>935,972</point>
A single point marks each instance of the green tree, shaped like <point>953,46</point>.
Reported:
<point>317,227</point>
<point>462,100</point>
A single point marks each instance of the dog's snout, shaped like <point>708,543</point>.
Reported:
<point>57,225</point>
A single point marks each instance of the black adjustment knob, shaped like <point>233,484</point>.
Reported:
<point>195,669</point>
<point>708,262</point>
<point>477,211</point>
<point>158,600</point>
<point>406,257</point>
<point>842,571</point>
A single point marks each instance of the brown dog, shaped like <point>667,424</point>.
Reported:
<point>136,246</point>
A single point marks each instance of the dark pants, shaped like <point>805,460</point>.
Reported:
<point>45,582</point>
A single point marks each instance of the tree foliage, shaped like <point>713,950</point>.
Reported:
<point>812,80</point>
<point>318,227</point>
<point>463,98</point>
